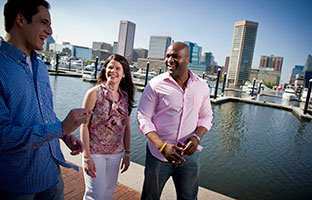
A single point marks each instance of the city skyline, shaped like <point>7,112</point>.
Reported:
<point>284,26</point>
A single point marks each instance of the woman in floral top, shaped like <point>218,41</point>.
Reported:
<point>107,135</point>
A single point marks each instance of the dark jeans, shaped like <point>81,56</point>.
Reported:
<point>54,193</point>
<point>185,177</point>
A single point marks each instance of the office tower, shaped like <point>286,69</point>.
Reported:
<point>209,61</point>
<point>158,46</point>
<point>47,42</point>
<point>126,39</point>
<point>271,63</point>
<point>115,47</point>
<point>307,70</point>
<point>195,54</point>
<point>298,69</point>
<point>243,45</point>
<point>308,64</point>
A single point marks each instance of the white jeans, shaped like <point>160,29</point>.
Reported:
<point>103,186</point>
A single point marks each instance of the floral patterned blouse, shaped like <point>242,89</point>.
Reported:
<point>108,122</point>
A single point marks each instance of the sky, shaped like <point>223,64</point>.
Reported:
<point>285,26</point>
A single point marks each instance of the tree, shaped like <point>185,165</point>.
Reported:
<point>269,84</point>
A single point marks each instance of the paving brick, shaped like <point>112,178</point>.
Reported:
<point>74,187</point>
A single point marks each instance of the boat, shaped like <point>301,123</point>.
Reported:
<point>88,73</point>
<point>247,87</point>
<point>303,98</point>
<point>138,77</point>
<point>289,93</point>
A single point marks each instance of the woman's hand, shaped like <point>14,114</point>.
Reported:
<point>125,163</point>
<point>89,167</point>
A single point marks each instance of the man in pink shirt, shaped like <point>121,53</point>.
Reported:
<point>174,113</point>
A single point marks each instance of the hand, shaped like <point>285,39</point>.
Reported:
<point>74,118</point>
<point>191,146</point>
<point>73,143</point>
<point>125,164</point>
<point>170,153</point>
<point>89,167</point>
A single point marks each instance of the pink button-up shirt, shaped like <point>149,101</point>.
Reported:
<point>172,112</point>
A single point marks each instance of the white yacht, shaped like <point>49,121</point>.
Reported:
<point>138,77</point>
<point>247,87</point>
<point>289,93</point>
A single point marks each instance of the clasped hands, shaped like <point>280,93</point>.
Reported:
<point>188,149</point>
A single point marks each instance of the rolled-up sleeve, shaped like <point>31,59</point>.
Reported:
<point>205,112</point>
<point>146,110</point>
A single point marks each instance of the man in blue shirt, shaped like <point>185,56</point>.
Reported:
<point>30,152</point>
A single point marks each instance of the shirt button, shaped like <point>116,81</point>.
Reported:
<point>46,121</point>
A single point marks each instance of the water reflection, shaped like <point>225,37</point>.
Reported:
<point>230,127</point>
<point>251,152</point>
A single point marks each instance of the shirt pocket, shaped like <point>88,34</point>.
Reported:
<point>170,103</point>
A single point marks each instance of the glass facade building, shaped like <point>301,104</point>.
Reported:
<point>80,52</point>
<point>158,46</point>
<point>298,69</point>
<point>243,46</point>
<point>195,54</point>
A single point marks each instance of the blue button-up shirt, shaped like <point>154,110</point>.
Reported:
<point>29,129</point>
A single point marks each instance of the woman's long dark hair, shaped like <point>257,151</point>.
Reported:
<point>126,83</point>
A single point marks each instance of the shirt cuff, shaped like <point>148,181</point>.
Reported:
<point>54,130</point>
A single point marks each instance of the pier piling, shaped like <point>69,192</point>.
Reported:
<point>217,84</point>
<point>253,87</point>
<point>96,64</point>
<point>308,98</point>
<point>57,63</point>
<point>146,76</point>
<point>259,89</point>
<point>224,82</point>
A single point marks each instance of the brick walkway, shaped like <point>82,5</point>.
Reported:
<point>74,187</point>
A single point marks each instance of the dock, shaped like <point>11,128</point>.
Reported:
<point>129,185</point>
<point>298,112</point>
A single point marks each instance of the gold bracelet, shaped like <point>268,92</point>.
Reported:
<point>163,146</point>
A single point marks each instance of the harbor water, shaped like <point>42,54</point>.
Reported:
<point>251,152</point>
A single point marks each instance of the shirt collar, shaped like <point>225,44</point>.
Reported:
<point>193,77</point>
<point>109,91</point>
<point>13,52</point>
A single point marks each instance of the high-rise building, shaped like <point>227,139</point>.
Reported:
<point>243,45</point>
<point>308,64</point>
<point>47,42</point>
<point>271,63</point>
<point>195,54</point>
<point>209,61</point>
<point>126,39</point>
<point>158,46</point>
<point>298,69</point>
<point>307,70</point>
<point>226,64</point>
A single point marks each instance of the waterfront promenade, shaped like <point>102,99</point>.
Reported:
<point>129,183</point>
